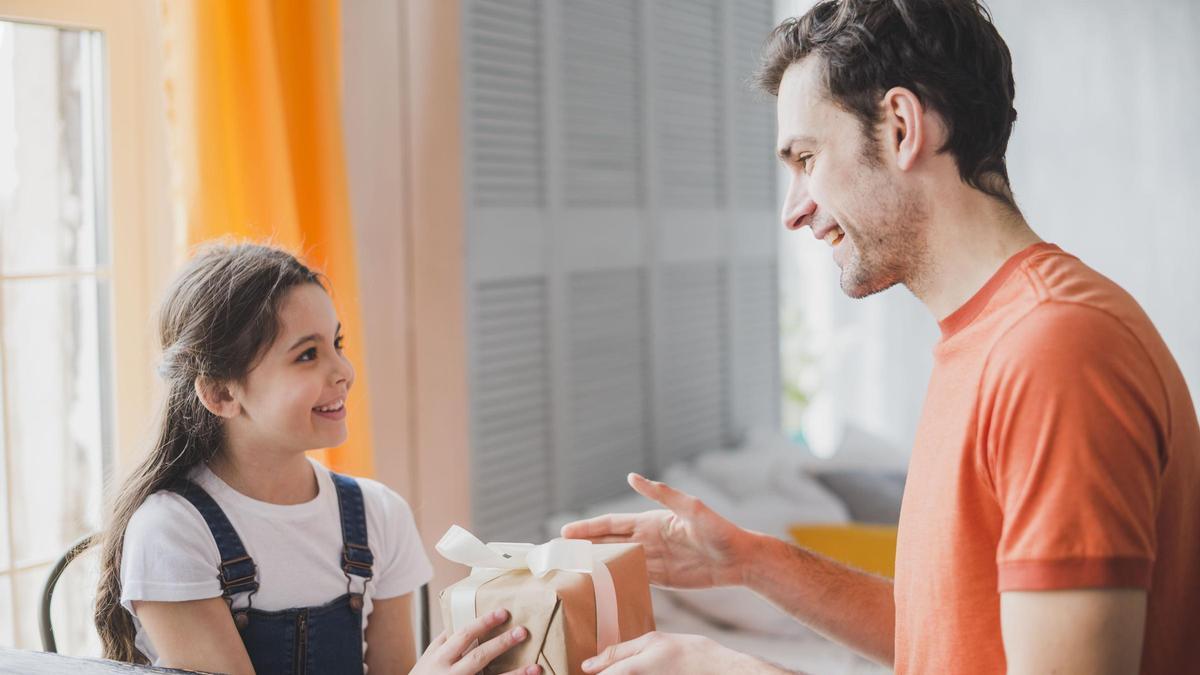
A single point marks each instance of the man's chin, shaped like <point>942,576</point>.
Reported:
<point>859,286</point>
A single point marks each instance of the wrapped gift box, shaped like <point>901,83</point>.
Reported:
<point>574,597</point>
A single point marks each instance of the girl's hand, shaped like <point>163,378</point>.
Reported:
<point>445,655</point>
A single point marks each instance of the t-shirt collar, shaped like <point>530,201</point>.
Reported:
<point>964,315</point>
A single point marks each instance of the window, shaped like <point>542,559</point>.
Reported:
<point>55,296</point>
<point>88,240</point>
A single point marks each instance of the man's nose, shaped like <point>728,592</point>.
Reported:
<point>796,212</point>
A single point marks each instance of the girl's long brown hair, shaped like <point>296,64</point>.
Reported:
<point>218,316</point>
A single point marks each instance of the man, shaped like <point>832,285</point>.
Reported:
<point>1051,521</point>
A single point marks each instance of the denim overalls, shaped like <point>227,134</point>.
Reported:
<point>324,639</point>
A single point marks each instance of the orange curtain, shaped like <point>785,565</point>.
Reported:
<point>253,96</point>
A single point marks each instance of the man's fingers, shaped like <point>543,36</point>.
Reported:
<point>477,659</point>
<point>618,539</point>
<point>679,502</point>
<point>458,643</point>
<point>601,526</point>
<point>616,653</point>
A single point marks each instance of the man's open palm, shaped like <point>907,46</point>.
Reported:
<point>687,545</point>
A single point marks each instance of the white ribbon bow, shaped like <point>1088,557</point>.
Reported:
<point>488,561</point>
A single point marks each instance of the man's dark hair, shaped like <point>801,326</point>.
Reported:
<point>947,52</point>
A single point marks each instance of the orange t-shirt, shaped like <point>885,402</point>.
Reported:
<point>1058,448</point>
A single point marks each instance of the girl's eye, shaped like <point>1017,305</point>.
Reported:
<point>805,162</point>
<point>308,354</point>
<point>338,342</point>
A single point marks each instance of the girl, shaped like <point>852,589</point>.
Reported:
<point>229,550</point>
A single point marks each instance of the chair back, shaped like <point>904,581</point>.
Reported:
<point>44,625</point>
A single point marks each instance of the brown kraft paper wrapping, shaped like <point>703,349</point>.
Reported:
<point>559,610</point>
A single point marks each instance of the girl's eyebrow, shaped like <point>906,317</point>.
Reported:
<point>315,337</point>
<point>307,338</point>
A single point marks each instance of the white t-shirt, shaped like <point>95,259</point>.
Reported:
<point>170,554</point>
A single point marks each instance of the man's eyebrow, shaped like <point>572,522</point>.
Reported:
<point>785,151</point>
<point>315,337</point>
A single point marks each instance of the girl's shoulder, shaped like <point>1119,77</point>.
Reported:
<point>164,509</point>
<point>381,500</point>
<point>166,525</point>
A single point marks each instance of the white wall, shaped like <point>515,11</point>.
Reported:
<point>1106,93</point>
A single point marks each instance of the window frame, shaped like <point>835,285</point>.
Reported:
<point>146,241</point>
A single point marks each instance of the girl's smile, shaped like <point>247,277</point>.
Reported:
<point>333,411</point>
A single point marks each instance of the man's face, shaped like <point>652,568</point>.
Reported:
<point>844,187</point>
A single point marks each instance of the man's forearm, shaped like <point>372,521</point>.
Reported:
<point>854,608</point>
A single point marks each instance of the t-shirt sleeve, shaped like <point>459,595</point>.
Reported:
<point>403,566</point>
<point>169,553</point>
<point>1073,423</point>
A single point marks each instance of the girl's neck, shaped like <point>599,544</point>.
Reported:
<point>275,478</point>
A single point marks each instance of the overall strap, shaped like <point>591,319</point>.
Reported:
<point>238,573</point>
<point>356,555</point>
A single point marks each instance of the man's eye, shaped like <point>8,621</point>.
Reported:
<point>308,355</point>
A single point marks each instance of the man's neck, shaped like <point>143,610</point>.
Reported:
<point>970,237</point>
<point>275,477</point>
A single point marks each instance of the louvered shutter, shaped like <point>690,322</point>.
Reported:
<point>607,394</point>
<point>508,322</point>
<point>601,100</point>
<point>754,114</point>
<point>691,415</point>
<point>689,98</point>
<point>504,42</point>
<point>620,243</point>
<point>510,408</point>
<point>754,362</point>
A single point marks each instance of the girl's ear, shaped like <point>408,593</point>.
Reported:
<point>217,397</point>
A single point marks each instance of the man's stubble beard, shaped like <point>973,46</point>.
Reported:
<point>889,242</point>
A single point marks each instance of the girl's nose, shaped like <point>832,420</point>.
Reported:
<point>343,372</point>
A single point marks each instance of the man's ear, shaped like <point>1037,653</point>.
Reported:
<point>217,397</point>
<point>905,127</point>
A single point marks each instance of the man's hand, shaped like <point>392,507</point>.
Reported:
<point>668,653</point>
<point>689,546</point>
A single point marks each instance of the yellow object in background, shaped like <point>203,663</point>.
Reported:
<point>871,548</point>
<point>253,93</point>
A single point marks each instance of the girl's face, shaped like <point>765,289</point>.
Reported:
<point>294,397</point>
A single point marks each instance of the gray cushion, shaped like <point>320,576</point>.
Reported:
<point>870,496</point>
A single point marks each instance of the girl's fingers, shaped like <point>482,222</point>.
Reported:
<point>526,670</point>
<point>456,645</point>
<point>477,659</point>
<point>438,641</point>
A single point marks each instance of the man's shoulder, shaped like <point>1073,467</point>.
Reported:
<point>1060,336</point>
<point>1063,279</point>
<point>1065,307</point>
